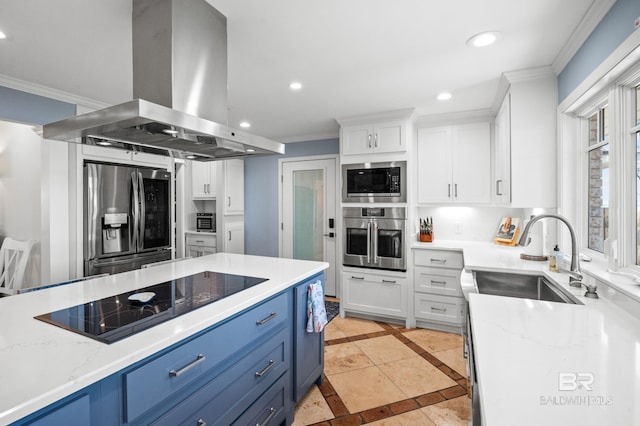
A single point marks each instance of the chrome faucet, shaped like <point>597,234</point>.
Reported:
<point>575,276</point>
<point>575,263</point>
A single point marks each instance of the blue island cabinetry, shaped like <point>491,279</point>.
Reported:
<point>249,369</point>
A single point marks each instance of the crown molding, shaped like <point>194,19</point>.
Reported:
<point>510,77</point>
<point>309,137</point>
<point>48,92</point>
<point>454,118</point>
<point>589,22</point>
<point>399,114</point>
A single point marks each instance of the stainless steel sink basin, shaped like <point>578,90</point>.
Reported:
<point>535,287</point>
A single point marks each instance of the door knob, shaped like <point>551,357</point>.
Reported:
<point>330,235</point>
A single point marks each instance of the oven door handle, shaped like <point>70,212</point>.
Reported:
<point>368,242</point>
<point>375,242</point>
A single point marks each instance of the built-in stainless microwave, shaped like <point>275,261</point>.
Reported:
<point>374,182</point>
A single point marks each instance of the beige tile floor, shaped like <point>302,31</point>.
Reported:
<point>383,374</point>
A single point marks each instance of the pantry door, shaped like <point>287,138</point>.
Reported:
<point>308,225</point>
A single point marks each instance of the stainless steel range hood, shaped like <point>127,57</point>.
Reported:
<point>180,86</point>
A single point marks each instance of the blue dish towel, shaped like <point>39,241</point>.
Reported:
<point>316,312</point>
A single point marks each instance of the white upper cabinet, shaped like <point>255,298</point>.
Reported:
<point>382,133</point>
<point>374,138</point>
<point>502,154</point>
<point>526,149</point>
<point>203,180</point>
<point>233,178</point>
<point>454,164</point>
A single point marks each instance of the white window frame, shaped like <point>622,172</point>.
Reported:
<point>598,102</point>
<point>619,95</point>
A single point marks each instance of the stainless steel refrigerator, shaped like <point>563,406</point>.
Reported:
<point>127,217</point>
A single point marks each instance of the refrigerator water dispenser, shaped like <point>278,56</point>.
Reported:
<point>115,233</point>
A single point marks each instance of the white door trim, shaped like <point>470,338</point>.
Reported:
<point>337,195</point>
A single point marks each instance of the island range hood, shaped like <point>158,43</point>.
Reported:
<point>180,90</point>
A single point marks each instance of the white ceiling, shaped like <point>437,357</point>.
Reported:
<point>353,57</point>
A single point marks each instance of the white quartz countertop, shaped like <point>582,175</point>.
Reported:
<point>42,363</point>
<point>531,356</point>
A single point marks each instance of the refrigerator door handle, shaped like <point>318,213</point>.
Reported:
<point>143,209</point>
<point>135,208</point>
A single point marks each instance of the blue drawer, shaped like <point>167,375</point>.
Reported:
<point>271,408</point>
<point>149,384</point>
<point>226,397</point>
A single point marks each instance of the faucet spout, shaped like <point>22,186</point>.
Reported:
<point>575,262</point>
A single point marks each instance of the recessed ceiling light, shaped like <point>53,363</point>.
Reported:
<point>2,35</point>
<point>245,124</point>
<point>483,39</point>
<point>191,157</point>
<point>295,85</point>
<point>443,96</point>
<point>251,150</point>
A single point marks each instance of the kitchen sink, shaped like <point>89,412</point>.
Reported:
<point>536,287</point>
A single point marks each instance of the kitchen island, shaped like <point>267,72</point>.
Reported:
<point>539,362</point>
<point>48,367</point>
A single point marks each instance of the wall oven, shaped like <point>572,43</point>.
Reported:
<point>375,237</point>
<point>374,182</point>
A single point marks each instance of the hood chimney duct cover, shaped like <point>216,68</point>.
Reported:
<point>180,56</point>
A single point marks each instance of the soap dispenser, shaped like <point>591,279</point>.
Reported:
<point>553,260</point>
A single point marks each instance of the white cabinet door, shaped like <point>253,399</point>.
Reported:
<point>434,165</point>
<point>197,251</point>
<point>472,163</point>
<point>233,187</point>
<point>203,179</point>
<point>233,237</point>
<point>502,154</point>
<point>454,164</point>
<point>374,138</point>
<point>389,137</point>
<point>357,139</point>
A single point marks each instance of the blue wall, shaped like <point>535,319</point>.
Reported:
<point>261,194</point>
<point>614,28</point>
<point>24,107</point>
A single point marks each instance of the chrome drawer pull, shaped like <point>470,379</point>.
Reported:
<point>389,281</point>
<point>272,363</point>
<point>439,260</point>
<point>353,277</point>
<point>272,412</point>
<point>439,282</point>
<point>433,308</point>
<point>175,373</point>
<point>267,319</point>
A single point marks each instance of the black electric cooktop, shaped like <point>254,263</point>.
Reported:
<point>116,317</point>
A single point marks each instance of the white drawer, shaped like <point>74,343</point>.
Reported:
<point>434,307</point>
<point>202,240</point>
<point>438,258</point>
<point>437,280</point>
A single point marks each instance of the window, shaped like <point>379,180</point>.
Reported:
<point>637,121</point>
<point>598,169</point>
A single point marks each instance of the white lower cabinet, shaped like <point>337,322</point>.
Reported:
<point>374,294</point>
<point>200,244</point>
<point>233,237</point>
<point>438,300</point>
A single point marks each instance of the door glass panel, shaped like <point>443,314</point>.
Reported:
<point>156,213</point>
<point>390,243</point>
<point>308,214</point>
